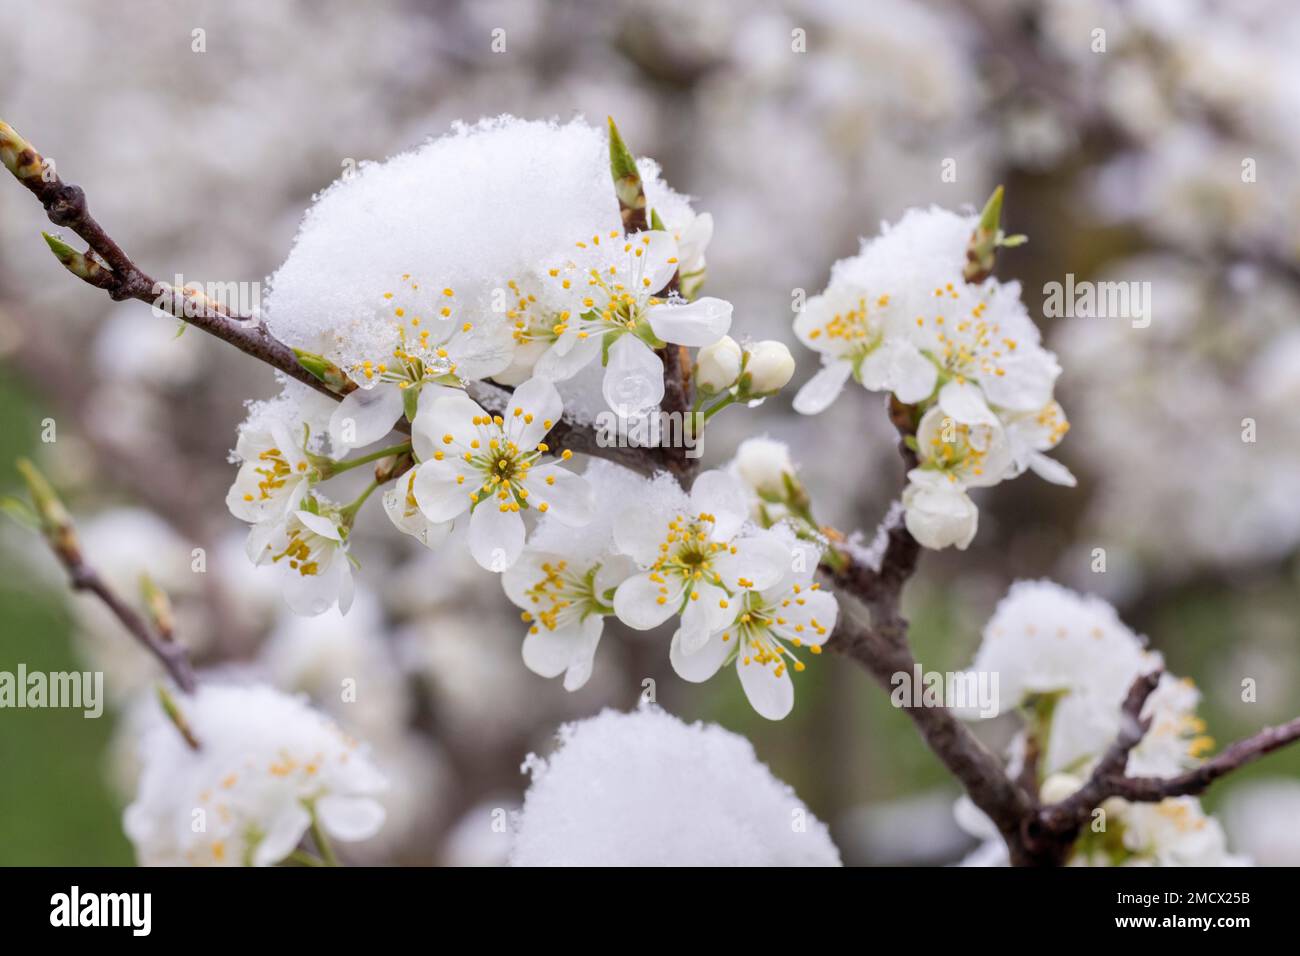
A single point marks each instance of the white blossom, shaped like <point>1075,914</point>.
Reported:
<point>274,474</point>
<point>428,342</point>
<point>310,548</point>
<point>267,766</point>
<point>695,558</point>
<point>766,629</point>
<point>489,466</point>
<point>617,310</point>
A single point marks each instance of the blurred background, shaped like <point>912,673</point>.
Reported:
<point>1149,141</point>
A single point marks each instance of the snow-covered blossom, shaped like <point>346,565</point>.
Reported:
<point>1046,639</point>
<point>489,465</point>
<point>490,212</point>
<point>696,555</point>
<point>718,365</point>
<point>645,789</point>
<point>619,308</point>
<point>1075,658</point>
<point>267,766</point>
<point>1173,832</point>
<point>427,343</point>
<point>900,317</point>
<point>768,627</point>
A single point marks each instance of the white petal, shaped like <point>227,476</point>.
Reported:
<point>319,524</point>
<point>540,399</point>
<point>1049,469</point>
<point>634,377</point>
<point>568,497</point>
<point>761,559</point>
<point>1027,382</point>
<point>547,653</point>
<point>495,537</point>
<point>365,416</point>
<point>283,832</point>
<point>721,494</point>
<point>584,654</point>
<point>258,544</point>
<point>405,513</point>
<point>614,570</point>
<point>699,666</point>
<point>523,575</point>
<point>965,404</point>
<point>449,412</point>
<point>523,364</point>
<point>823,388</point>
<point>350,818</point>
<point>311,595</point>
<point>697,323</point>
<point>567,356</point>
<point>809,616</point>
<point>912,375</point>
<point>705,615</point>
<point>656,262</point>
<point>639,531</point>
<point>771,696</point>
<point>484,351</point>
<point>437,491</point>
<point>638,604</point>
<point>695,239</point>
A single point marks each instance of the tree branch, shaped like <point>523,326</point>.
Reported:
<point>57,529</point>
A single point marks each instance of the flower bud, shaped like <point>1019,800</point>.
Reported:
<point>763,463</point>
<point>158,607</point>
<point>1058,786</point>
<point>718,366</point>
<point>55,522</point>
<point>939,514</point>
<point>770,366</point>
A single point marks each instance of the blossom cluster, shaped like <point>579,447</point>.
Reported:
<point>1065,664</point>
<point>518,303</point>
<point>900,317</point>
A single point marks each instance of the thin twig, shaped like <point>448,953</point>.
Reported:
<point>170,654</point>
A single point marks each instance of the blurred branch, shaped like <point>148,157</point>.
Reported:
<point>152,473</point>
<point>1052,830</point>
<point>58,531</point>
